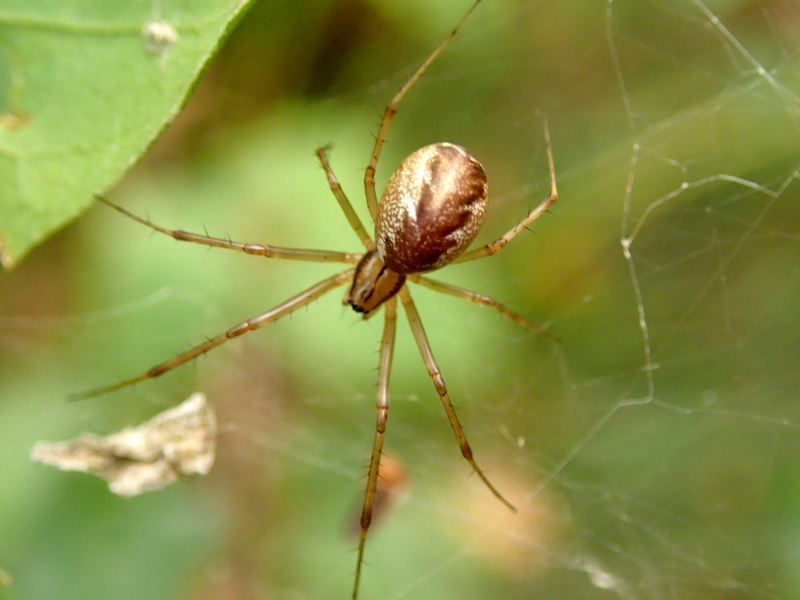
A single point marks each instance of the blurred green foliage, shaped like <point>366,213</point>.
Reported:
<point>653,452</point>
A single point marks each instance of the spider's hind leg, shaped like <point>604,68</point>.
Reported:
<point>537,212</point>
<point>391,110</point>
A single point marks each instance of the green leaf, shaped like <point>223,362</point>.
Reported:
<point>85,87</point>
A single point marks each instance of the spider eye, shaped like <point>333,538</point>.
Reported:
<point>432,209</point>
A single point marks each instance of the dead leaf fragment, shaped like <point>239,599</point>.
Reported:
<point>179,442</point>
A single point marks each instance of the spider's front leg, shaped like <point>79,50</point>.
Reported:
<point>382,406</point>
<point>438,381</point>
<point>284,308</point>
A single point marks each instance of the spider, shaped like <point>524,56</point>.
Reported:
<point>431,210</point>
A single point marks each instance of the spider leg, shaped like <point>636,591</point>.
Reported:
<point>283,309</point>
<point>470,296</point>
<point>438,381</point>
<point>537,212</point>
<point>391,109</point>
<point>344,203</point>
<point>256,249</point>
<point>382,405</point>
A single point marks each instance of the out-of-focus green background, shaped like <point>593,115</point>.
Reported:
<point>653,453</point>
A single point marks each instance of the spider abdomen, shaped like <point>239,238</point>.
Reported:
<point>432,209</point>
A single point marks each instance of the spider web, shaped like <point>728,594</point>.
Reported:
<point>652,453</point>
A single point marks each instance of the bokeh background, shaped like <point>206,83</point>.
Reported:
<point>653,453</point>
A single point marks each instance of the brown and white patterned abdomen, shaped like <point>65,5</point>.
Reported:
<point>432,209</point>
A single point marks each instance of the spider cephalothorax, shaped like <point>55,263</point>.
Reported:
<point>373,284</point>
